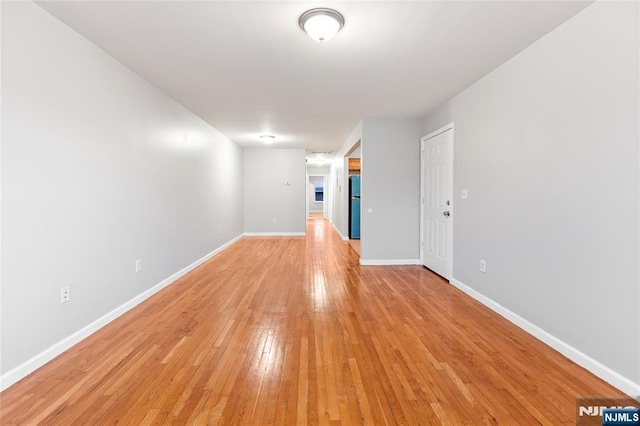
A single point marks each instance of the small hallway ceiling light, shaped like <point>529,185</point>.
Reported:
<point>321,24</point>
<point>267,138</point>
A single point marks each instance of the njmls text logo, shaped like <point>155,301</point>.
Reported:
<point>607,411</point>
<point>621,416</point>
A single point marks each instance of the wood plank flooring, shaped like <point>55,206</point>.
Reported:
<point>294,331</point>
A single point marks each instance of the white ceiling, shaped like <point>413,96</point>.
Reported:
<point>248,69</point>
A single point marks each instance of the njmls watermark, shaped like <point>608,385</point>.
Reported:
<point>607,411</point>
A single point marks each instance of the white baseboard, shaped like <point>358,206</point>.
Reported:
<point>14,375</point>
<point>390,262</point>
<point>605,373</point>
<point>275,234</point>
<point>339,233</point>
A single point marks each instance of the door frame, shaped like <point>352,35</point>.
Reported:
<point>325,179</point>
<point>346,200</point>
<point>423,140</point>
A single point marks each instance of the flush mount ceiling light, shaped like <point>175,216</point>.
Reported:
<point>321,24</point>
<point>267,138</point>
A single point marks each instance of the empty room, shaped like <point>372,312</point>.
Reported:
<point>302,212</point>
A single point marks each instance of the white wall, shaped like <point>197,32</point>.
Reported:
<point>315,206</point>
<point>390,180</point>
<point>390,184</point>
<point>99,169</point>
<point>266,195</point>
<point>318,170</point>
<point>547,146</point>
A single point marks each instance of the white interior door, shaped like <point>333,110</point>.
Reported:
<point>436,240</point>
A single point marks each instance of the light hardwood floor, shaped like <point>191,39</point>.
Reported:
<point>355,245</point>
<point>293,331</point>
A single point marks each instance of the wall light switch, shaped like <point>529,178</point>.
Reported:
<point>464,194</point>
<point>287,183</point>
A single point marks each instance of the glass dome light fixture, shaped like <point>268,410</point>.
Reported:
<point>321,24</point>
<point>267,138</point>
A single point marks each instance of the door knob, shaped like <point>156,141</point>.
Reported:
<point>447,213</point>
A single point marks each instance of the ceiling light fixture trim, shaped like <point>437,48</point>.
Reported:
<point>267,138</point>
<point>321,24</point>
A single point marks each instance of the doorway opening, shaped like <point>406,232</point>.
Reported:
<point>353,161</point>
<point>355,167</point>
<point>317,196</point>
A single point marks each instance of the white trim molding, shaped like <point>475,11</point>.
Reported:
<point>610,376</point>
<point>21,371</point>
<point>389,262</point>
<point>275,234</point>
<point>339,233</point>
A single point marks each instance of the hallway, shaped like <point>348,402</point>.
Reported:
<point>291,330</point>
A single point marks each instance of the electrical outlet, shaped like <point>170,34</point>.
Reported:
<point>65,294</point>
<point>275,220</point>
<point>464,194</point>
<point>138,265</point>
<point>220,231</point>
<point>483,265</point>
